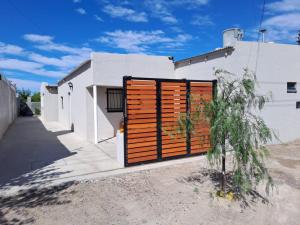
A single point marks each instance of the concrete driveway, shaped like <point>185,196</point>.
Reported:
<point>33,153</point>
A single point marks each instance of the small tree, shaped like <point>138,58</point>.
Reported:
<point>36,97</point>
<point>237,127</point>
<point>24,94</point>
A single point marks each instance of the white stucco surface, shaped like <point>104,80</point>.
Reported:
<point>106,71</point>
<point>109,69</point>
<point>8,105</point>
<point>108,122</point>
<point>72,103</point>
<point>49,103</point>
<point>275,65</point>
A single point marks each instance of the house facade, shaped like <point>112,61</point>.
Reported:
<point>89,99</point>
<point>277,72</point>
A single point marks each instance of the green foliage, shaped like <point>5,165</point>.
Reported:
<point>24,94</point>
<point>37,111</point>
<point>236,126</point>
<point>36,97</point>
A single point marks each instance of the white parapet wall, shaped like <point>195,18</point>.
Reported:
<point>8,105</point>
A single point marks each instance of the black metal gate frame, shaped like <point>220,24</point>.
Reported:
<point>158,113</point>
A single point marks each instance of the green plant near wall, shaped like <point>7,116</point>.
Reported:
<point>236,127</point>
<point>36,97</point>
<point>37,111</point>
<point>24,94</point>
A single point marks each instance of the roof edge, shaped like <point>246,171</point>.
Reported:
<point>70,74</point>
<point>197,58</point>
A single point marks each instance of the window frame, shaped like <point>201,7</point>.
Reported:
<point>108,107</point>
<point>291,90</point>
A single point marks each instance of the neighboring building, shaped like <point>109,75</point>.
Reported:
<point>49,102</point>
<point>277,70</point>
<point>8,104</point>
<point>90,97</point>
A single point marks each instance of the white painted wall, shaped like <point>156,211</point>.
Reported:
<point>8,105</point>
<point>73,114</point>
<point>106,70</point>
<point>108,122</point>
<point>49,103</point>
<point>277,64</point>
<point>109,69</point>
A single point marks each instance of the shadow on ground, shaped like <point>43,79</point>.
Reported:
<point>26,149</point>
<point>245,199</point>
<point>30,199</point>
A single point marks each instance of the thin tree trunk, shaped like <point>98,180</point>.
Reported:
<point>223,181</point>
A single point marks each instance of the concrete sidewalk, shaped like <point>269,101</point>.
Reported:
<point>32,153</point>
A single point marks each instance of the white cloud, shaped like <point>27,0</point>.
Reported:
<point>98,18</point>
<point>46,43</point>
<point>29,67</point>
<point>64,48</point>
<point>26,84</point>
<point>163,9</point>
<point>289,21</point>
<point>63,63</point>
<point>283,27</point>
<point>282,21</point>
<point>125,13</point>
<point>202,21</point>
<point>141,41</point>
<point>284,6</point>
<point>38,38</point>
<point>81,11</point>
<point>10,49</point>
<point>38,64</point>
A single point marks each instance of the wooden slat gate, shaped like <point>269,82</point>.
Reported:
<point>151,111</point>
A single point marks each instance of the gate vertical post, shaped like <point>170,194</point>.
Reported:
<point>188,114</point>
<point>125,78</point>
<point>159,124</point>
<point>214,88</point>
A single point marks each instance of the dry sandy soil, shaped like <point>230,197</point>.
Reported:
<point>178,194</point>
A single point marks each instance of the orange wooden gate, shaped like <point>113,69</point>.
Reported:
<point>151,111</point>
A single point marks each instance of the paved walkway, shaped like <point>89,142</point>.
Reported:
<point>32,153</point>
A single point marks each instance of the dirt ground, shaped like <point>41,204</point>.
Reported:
<point>178,194</point>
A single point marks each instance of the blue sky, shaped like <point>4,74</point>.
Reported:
<point>44,40</point>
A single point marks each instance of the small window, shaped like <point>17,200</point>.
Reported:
<point>297,105</point>
<point>62,102</point>
<point>291,87</point>
<point>114,100</point>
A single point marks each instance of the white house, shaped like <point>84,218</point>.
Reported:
<point>277,70</point>
<point>90,99</point>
